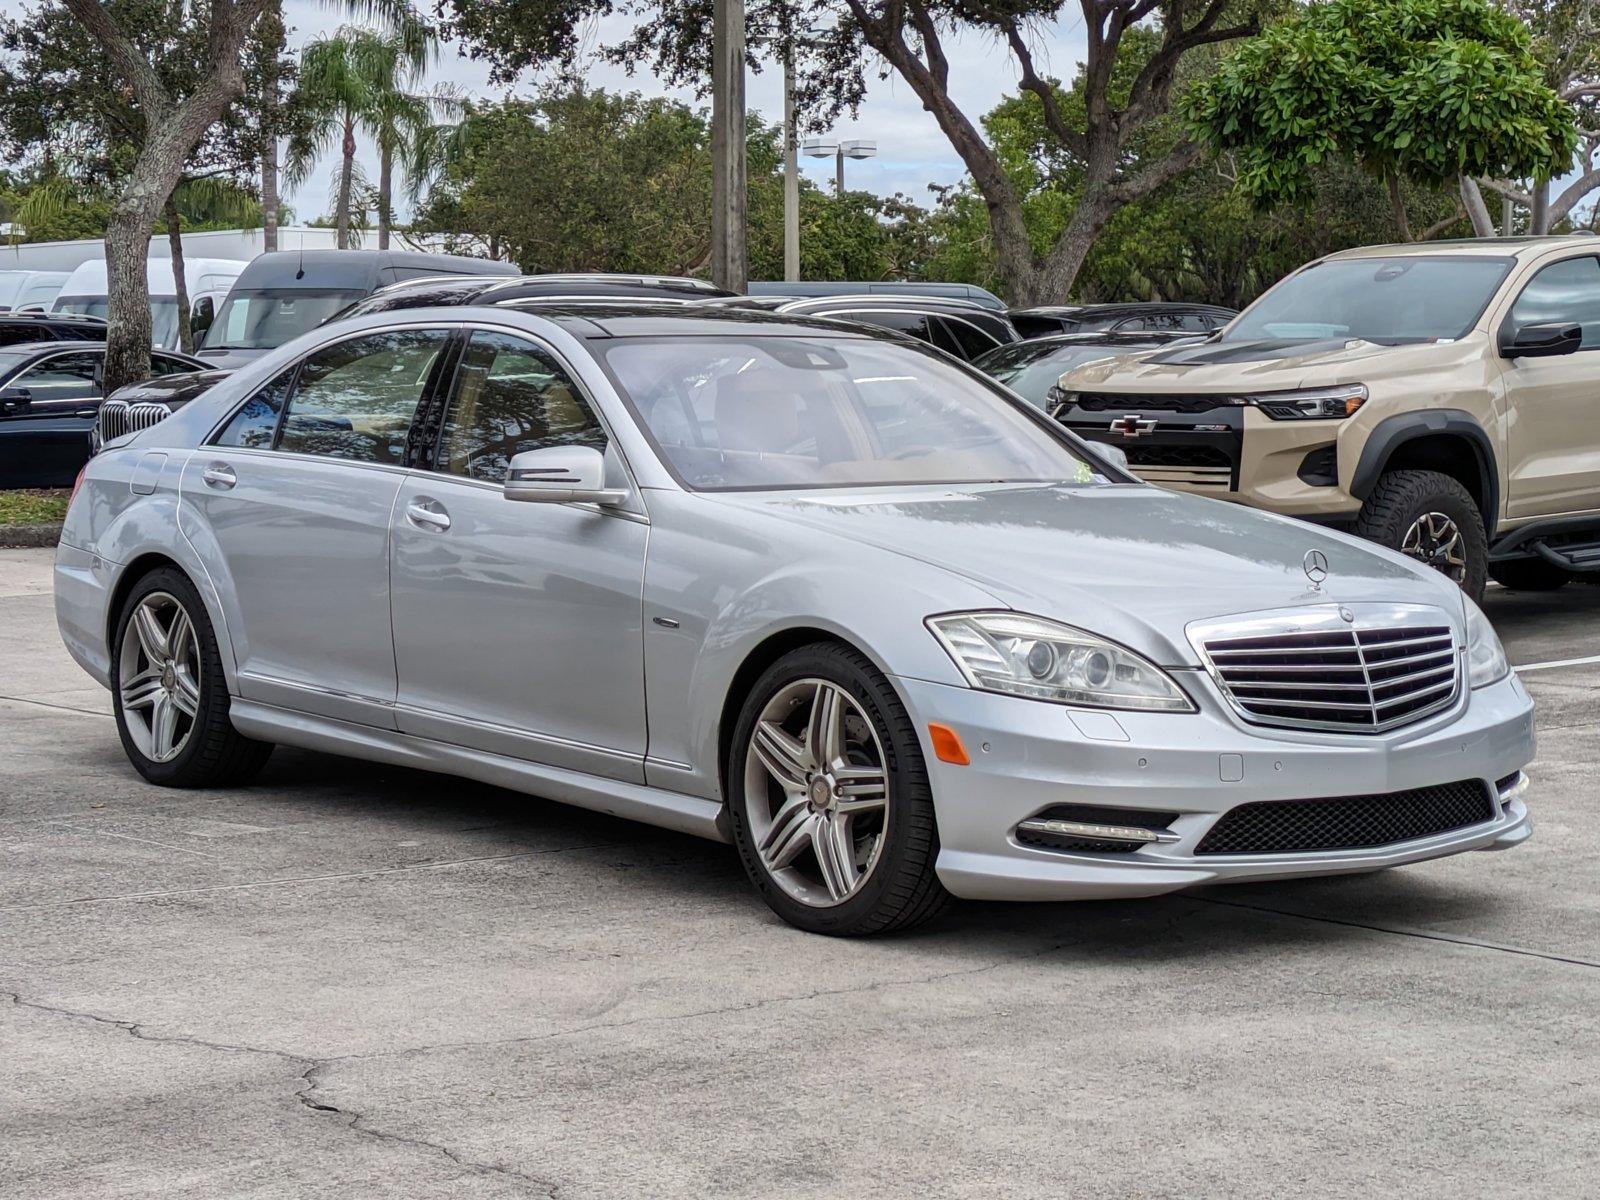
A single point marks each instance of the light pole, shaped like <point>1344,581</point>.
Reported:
<point>729,265</point>
<point>821,147</point>
<point>791,177</point>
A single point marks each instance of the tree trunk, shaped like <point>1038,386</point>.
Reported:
<point>1539,220</point>
<point>347,168</point>
<point>385,190</point>
<point>1477,210</point>
<point>1397,201</point>
<point>180,285</point>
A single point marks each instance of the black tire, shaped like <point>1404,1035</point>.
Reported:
<point>1402,498</point>
<point>901,889</point>
<point>1529,575</point>
<point>214,752</point>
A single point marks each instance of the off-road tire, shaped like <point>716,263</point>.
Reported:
<point>1529,575</point>
<point>216,754</point>
<point>1402,497</point>
<point>903,890</point>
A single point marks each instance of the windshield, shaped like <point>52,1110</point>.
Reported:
<point>265,318</point>
<point>163,315</point>
<point>751,413</point>
<point>1031,369</point>
<point>1390,300</point>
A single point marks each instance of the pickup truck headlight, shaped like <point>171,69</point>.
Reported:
<point>1313,404</point>
<point>1057,400</point>
<point>1045,660</point>
<point>1486,657</point>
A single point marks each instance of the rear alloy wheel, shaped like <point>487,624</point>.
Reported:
<point>169,692</point>
<point>1428,516</point>
<point>829,797</point>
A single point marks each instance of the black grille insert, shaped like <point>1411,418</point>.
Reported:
<point>1184,402</point>
<point>1178,456</point>
<point>1348,822</point>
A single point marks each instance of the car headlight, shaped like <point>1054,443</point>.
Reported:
<point>1486,657</point>
<point>1313,404</point>
<point>1057,400</point>
<point>1045,660</point>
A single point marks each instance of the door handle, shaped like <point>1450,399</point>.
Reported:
<point>427,513</point>
<point>219,475</point>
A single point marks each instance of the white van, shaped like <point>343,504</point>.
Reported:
<point>208,280</point>
<point>29,291</point>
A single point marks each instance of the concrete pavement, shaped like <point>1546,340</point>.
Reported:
<point>355,981</point>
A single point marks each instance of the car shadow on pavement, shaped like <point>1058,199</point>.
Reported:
<point>460,819</point>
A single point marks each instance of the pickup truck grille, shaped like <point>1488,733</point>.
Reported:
<point>1358,676</point>
<point>1183,402</point>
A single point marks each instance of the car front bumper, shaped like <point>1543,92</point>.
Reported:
<point>1027,756</point>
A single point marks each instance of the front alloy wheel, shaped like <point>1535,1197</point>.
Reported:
<point>816,793</point>
<point>829,798</point>
<point>1435,541</point>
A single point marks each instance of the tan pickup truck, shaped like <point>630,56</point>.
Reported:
<point>1440,399</point>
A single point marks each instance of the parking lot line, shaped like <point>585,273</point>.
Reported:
<point>1559,662</point>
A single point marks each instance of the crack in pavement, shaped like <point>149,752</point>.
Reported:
<point>309,1083</point>
<point>1429,935</point>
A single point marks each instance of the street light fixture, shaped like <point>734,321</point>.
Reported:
<point>819,147</point>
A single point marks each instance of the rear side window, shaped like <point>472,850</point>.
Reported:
<point>356,399</point>
<point>510,395</point>
<point>1566,293</point>
<point>971,339</point>
<point>253,425</point>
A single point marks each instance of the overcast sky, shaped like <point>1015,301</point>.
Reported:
<point>912,153</point>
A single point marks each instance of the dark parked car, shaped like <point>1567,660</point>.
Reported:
<point>49,398</point>
<point>284,293</point>
<point>1120,318</point>
<point>141,405</point>
<point>1031,368</point>
<point>902,289</point>
<point>957,327</point>
<point>430,293</point>
<point>18,328</point>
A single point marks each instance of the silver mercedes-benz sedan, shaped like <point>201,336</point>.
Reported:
<point>812,589</point>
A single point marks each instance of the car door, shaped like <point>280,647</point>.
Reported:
<point>292,498</point>
<point>518,627</point>
<point>46,411</point>
<point>1553,404</point>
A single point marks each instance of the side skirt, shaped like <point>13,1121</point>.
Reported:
<point>636,802</point>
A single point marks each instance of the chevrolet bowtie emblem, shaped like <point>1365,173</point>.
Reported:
<point>1133,426</point>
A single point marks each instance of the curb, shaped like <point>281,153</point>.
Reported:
<point>29,536</point>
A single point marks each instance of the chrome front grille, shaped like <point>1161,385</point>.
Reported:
<point>1385,666</point>
<point>118,417</point>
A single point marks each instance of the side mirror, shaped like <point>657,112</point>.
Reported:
<point>203,313</point>
<point>1541,341</point>
<point>14,401</point>
<point>1115,455</point>
<point>561,475</point>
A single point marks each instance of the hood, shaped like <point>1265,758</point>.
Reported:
<point>1127,561</point>
<point>1265,364</point>
<point>230,360</point>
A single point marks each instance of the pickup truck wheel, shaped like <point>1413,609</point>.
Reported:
<point>1529,575</point>
<point>1430,517</point>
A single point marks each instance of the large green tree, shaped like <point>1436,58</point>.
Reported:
<point>1431,91</point>
<point>837,44</point>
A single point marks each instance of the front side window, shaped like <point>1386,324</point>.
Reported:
<point>799,412</point>
<point>509,396</point>
<point>62,378</point>
<point>356,399</point>
<point>253,426</point>
<point>1564,293</point>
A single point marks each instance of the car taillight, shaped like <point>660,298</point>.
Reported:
<point>77,483</point>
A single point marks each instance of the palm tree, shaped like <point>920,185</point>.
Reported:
<point>357,78</point>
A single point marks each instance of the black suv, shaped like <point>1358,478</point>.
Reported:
<point>18,328</point>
